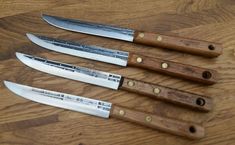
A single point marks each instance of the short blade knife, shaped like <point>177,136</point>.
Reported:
<point>114,81</point>
<point>123,58</point>
<point>193,46</point>
<point>106,110</point>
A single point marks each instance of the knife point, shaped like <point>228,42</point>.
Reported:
<point>19,55</point>
<point>29,35</point>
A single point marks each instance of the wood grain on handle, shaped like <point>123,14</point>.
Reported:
<point>190,100</point>
<point>198,47</point>
<point>202,75</point>
<point>177,127</point>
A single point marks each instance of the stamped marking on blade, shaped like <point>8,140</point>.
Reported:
<point>100,105</point>
<point>72,68</point>
<point>85,48</point>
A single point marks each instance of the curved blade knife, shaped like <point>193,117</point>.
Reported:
<point>114,81</point>
<point>106,109</point>
<point>122,58</point>
<point>199,47</point>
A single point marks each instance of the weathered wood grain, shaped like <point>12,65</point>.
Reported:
<point>25,122</point>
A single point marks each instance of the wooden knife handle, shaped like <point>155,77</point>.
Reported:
<point>175,96</point>
<point>198,47</point>
<point>198,74</point>
<point>177,127</point>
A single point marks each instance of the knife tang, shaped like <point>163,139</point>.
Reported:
<point>198,74</point>
<point>198,47</point>
<point>177,127</point>
<point>175,96</point>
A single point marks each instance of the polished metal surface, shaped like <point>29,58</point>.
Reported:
<point>76,49</point>
<point>61,100</point>
<point>90,28</point>
<point>69,71</point>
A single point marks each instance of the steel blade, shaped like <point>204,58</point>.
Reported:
<point>80,50</point>
<point>69,71</point>
<point>90,28</point>
<point>61,100</point>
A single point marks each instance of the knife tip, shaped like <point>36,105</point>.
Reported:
<point>7,83</point>
<point>19,55</point>
<point>29,35</point>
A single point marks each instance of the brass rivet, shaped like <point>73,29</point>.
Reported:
<point>141,35</point>
<point>156,90</point>
<point>148,118</point>
<point>130,83</point>
<point>159,38</point>
<point>121,112</point>
<point>139,59</point>
<point>164,65</point>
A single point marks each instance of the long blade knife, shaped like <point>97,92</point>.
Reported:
<point>122,58</point>
<point>199,47</point>
<point>106,110</point>
<point>114,81</point>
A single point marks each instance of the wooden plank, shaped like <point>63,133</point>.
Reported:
<point>14,7</point>
<point>25,122</point>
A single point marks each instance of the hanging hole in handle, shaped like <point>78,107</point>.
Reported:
<point>206,75</point>
<point>192,129</point>
<point>200,101</point>
<point>211,47</point>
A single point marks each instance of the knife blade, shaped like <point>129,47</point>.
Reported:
<point>114,81</point>
<point>123,58</point>
<point>106,110</point>
<point>198,47</point>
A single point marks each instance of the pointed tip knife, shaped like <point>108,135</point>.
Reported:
<point>198,47</point>
<point>114,81</point>
<point>122,58</point>
<point>106,110</point>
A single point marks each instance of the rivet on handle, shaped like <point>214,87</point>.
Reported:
<point>139,59</point>
<point>159,38</point>
<point>130,83</point>
<point>141,35</point>
<point>121,112</point>
<point>148,118</point>
<point>156,90</point>
<point>164,65</point>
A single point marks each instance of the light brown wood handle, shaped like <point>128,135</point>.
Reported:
<point>186,99</point>
<point>177,127</point>
<point>198,74</point>
<point>198,47</point>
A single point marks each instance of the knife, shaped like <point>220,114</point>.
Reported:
<point>106,110</point>
<point>198,47</point>
<point>122,58</point>
<point>114,81</point>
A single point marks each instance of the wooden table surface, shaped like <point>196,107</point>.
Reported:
<point>27,123</point>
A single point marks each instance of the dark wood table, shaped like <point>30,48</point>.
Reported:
<point>28,123</point>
